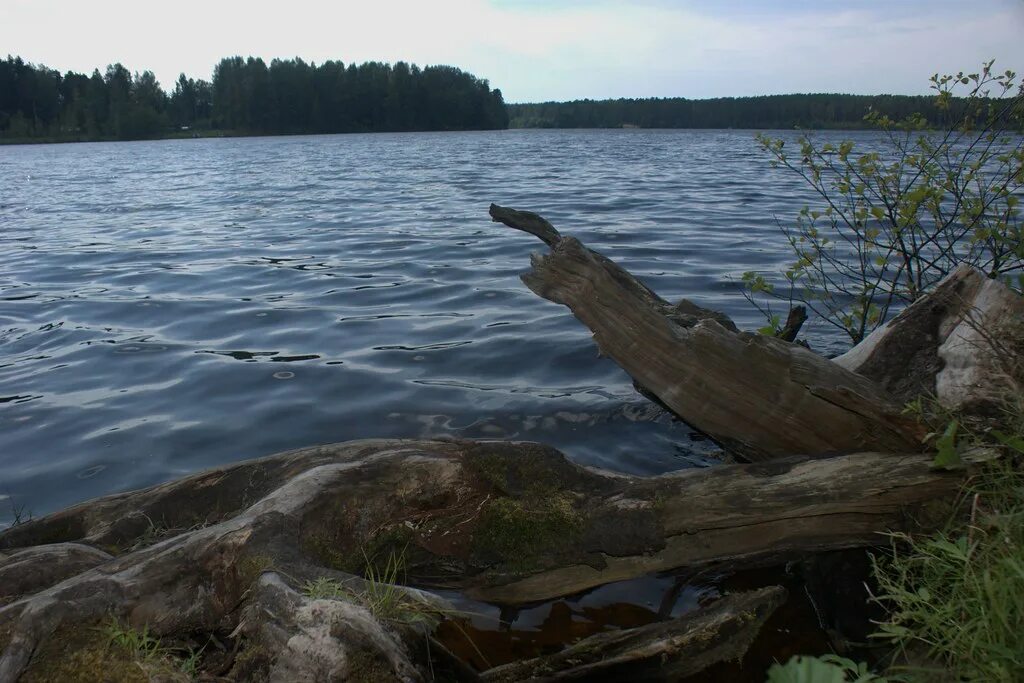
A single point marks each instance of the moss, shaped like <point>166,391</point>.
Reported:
<point>251,664</point>
<point>366,667</point>
<point>386,544</point>
<point>521,473</point>
<point>518,533</point>
<point>84,654</point>
<point>531,514</point>
<point>329,534</point>
<point>336,544</point>
<point>250,567</point>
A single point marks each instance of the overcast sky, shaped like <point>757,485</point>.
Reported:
<point>545,49</point>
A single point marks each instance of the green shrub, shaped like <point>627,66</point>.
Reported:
<point>895,219</point>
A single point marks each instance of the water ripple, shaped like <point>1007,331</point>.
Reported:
<point>136,274</point>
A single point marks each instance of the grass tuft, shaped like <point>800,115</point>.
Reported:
<point>382,594</point>
<point>960,593</point>
<point>139,645</point>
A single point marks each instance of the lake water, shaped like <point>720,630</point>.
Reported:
<point>168,306</point>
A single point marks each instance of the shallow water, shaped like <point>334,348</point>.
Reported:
<point>168,306</point>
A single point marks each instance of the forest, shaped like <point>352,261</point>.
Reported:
<point>246,96</point>
<point>768,112</point>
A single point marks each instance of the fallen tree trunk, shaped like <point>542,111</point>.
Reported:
<point>664,651</point>
<point>760,397</point>
<point>963,343</point>
<point>217,552</point>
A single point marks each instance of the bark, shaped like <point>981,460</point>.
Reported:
<point>760,397</point>
<point>794,321</point>
<point>962,343</point>
<point>226,552</point>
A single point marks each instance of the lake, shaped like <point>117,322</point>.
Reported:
<point>167,306</point>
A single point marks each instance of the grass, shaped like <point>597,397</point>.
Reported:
<point>326,589</point>
<point>954,599</point>
<point>142,647</point>
<point>381,593</point>
<point>139,645</point>
<point>959,594</point>
<point>387,600</point>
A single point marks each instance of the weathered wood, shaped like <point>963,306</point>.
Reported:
<point>663,651</point>
<point>507,523</point>
<point>794,321</point>
<point>39,567</point>
<point>759,397</point>
<point>962,343</point>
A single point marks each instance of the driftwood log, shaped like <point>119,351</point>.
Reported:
<point>759,397</point>
<point>670,650</point>
<point>226,552</point>
<point>962,343</point>
<point>316,564</point>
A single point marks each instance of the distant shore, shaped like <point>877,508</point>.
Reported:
<point>214,133</point>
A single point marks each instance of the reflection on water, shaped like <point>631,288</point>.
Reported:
<point>485,635</point>
<point>136,275</point>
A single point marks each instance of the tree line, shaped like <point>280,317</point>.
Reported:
<point>246,96</point>
<point>768,111</point>
<point>250,96</point>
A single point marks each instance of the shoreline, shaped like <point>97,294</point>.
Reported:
<point>213,133</point>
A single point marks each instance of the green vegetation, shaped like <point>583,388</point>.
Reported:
<point>957,595</point>
<point>336,543</point>
<point>892,223</point>
<point>144,649</point>
<point>246,96</point>
<point>114,652</point>
<point>519,531</point>
<point>326,589</point>
<point>896,220</point>
<point>532,514</point>
<point>139,645</point>
<point>251,567</point>
<point>953,599</point>
<point>824,669</point>
<point>765,112</point>
<point>381,593</point>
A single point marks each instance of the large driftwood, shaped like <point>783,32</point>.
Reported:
<point>760,397</point>
<point>962,343</point>
<point>226,551</point>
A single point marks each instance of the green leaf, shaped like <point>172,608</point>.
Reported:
<point>806,670</point>
<point>1014,441</point>
<point>947,456</point>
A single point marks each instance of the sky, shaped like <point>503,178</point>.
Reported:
<point>538,50</point>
